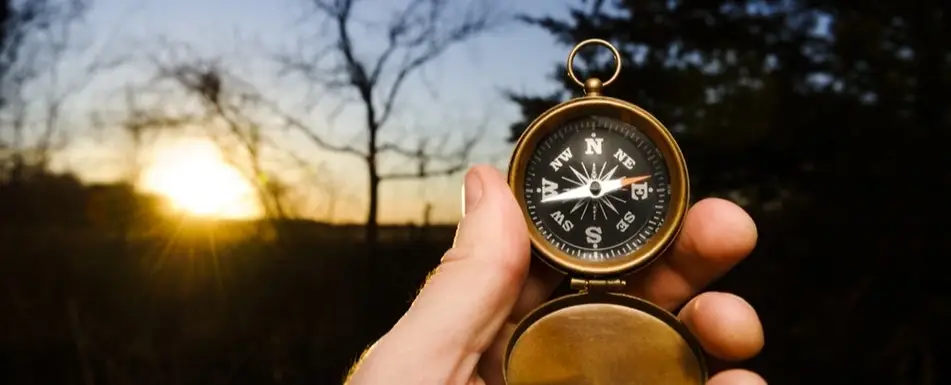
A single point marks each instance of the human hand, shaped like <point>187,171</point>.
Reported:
<point>457,328</point>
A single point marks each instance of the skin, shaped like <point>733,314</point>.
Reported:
<point>457,328</point>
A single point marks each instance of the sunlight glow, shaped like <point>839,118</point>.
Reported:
<point>197,181</point>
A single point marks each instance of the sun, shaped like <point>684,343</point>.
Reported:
<point>196,180</point>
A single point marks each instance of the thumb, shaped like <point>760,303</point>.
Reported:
<point>466,301</point>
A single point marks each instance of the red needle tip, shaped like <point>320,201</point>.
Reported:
<point>633,179</point>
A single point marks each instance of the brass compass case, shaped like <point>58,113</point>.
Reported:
<point>601,335</point>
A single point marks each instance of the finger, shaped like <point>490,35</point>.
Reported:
<point>736,377</point>
<point>700,227</point>
<point>539,285</point>
<point>491,365</point>
<point>717,234</point>
<point>468,298</point>
<point>478,280</point>
<point>726,326</point>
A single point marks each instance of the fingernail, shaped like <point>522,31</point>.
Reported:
<point>471,191</point>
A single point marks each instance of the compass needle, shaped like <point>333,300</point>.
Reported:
<point>625,210</point>
<point>571,194</point>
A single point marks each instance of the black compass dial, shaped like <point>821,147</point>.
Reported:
<point>597,188</point>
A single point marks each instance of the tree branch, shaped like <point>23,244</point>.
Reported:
<point>424,156</point>
<point>206,81</point>
<point>419,32</point>
<point>427,44</point>
<point>303,128</point>
<point>425,174</point>
<point>35,37</point>
<point>416,30</point>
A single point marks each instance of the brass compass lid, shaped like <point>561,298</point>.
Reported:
<point>602,339</point>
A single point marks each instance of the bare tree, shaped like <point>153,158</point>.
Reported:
<point>34,40</point>
<point>414,36</point>
<point>138,125</point>
<point>207,83</point>
<point>222,117</point>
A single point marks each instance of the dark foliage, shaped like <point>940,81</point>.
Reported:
<point>827,121</point>
<point>92,294</point>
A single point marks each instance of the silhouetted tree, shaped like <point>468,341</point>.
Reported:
<point>35,36</point>
<point>228,107</point>
<point>192,93</point>
<point>414,36</point>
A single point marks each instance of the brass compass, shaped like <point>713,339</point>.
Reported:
<point>603,187</point>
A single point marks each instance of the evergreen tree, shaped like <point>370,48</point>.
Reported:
<point>826,120</point>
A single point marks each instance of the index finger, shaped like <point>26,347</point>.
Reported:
<point>717,234</point>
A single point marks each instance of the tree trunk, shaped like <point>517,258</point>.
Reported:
<point>373,128</point>
<point>372,224</point>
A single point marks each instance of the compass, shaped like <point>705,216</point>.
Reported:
<point>603,188</point>
<point>597,188</point>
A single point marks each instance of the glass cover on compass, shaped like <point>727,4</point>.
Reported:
<point>597,188</point>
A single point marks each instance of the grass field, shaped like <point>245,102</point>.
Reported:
<point>201,303</point>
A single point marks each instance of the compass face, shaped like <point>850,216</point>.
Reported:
<point>597,188</point>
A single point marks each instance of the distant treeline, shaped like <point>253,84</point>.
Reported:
<point>48,198</point>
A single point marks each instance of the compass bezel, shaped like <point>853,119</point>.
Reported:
<point>628,113</point>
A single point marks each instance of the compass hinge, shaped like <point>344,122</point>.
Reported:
<point>597,285</point>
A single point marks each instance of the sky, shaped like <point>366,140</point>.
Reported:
<point>452,94</point>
